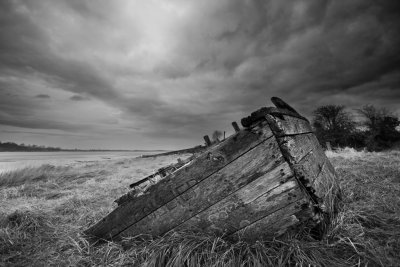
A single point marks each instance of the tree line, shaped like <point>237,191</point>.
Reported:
<point>10,146</point>
<point>376,131</point>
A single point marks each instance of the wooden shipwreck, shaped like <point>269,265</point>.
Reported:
<point>268,178</point>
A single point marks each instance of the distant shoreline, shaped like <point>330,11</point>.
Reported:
<point>13,147</point>
<point>81,150</point>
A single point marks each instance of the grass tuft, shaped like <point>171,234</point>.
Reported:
<point>19,232</point>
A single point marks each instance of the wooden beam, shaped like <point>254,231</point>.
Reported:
<point>207,139</point>
<point>279,103</point>
<point>283,125</point>
<point>235,126</point>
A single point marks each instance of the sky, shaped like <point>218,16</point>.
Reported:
<point>161,74</point>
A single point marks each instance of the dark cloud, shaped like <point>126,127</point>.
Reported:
<point>330,47</point>
<point>26,49</point>
<point>178,68</point>
<point>78,98</point>
<point>42,96</point>
<point>44,133</point>
<point>37,123</point>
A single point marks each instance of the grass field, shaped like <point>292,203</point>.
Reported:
<point>44,210</point>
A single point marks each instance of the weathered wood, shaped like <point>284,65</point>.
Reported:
<point>162,172</point>
<point>260,115</point>
<point>127,197</point>
<point>244,207</point>
<point>179,182</point>
<point>310,165</point>
<point>306,156</point>
<point>207,139</point>
<point>143,180</point>
<point>269,178</point>
<point>287,125</point>
<point>279,103</point>
<point>277,223</point>
<point>235,126</point>
<point>296,147</point>
<point>260,167</point>
<point>314,173</point>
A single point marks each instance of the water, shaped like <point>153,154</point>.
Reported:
<point>16,160</point>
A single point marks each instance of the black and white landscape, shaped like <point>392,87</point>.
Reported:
<point>98,96</point>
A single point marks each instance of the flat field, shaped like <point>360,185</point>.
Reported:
<point>43,211</point>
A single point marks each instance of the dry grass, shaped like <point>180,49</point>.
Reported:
<point>41,220</point>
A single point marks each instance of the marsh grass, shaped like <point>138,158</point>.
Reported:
<point>30,174</point>
<point>38,230</point>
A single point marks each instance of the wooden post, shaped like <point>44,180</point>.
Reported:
<point>328,146</point>
<point>207,139</point>
<point>224,135</point>
<point>235,126</point>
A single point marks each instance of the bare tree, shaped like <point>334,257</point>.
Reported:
<point>333,124</point>
<point>331,117</point>
<point>374,116</point>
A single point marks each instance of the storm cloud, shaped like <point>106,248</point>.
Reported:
<point>78,98</point>
<point>42,96</point>
<point>161,74</point>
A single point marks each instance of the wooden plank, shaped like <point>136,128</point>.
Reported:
<point>257,171</point>
<point>244,207</point>
<point>275,224</point>
<point>283,125</point>
<point>179,182</point>
<point>282,105</point>
<point>310,166</point>
<point>296,147</point>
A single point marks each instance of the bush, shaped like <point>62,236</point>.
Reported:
<point>334,125</point>
<point>381,125</point>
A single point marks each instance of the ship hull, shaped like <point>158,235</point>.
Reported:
<point>268,178</point>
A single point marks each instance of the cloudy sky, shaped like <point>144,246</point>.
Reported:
<point>150,74</point>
